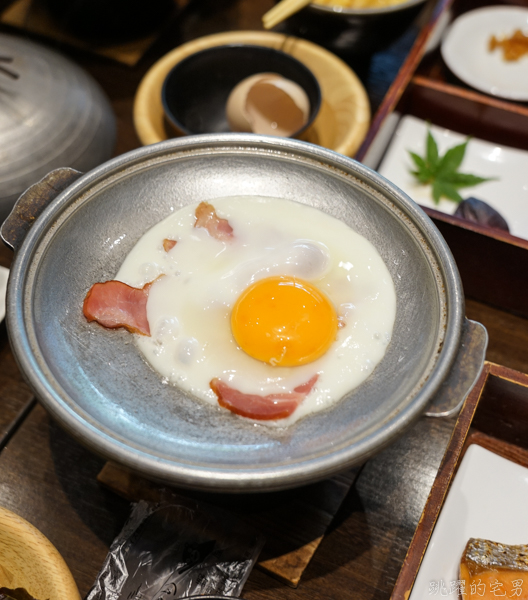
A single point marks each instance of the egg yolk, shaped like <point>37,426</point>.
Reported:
<point>284,321</point>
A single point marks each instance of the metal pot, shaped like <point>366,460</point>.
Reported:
<point>95,383</point>
<point>354,31</point>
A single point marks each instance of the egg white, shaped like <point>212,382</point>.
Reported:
<point>189,309</point>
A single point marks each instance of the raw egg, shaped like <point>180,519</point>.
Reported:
<point>284,321</point>
<point>268,103</point>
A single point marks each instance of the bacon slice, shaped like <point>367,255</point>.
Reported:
<point>207,218</point>
<point>115,304</point>
<point>168,244</point>
<point>262,408</point>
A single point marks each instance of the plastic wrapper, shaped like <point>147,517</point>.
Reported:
<point>177,548</point>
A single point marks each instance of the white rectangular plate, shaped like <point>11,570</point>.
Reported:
<point>508,194</point>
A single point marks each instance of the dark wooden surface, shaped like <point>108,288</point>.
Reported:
<point>49,479</point>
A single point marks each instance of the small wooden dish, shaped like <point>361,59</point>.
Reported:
<point>29,560</point>
<point>344,116</point>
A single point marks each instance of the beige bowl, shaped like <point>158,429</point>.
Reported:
<point>343,119</point>
<point>29,560</point>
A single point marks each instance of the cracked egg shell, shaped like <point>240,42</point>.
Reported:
<point>268,103</point>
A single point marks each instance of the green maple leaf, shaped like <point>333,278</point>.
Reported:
<point>441,172</point>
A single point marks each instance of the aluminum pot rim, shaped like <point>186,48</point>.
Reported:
<point>363,12</point>
<point>197,477</point>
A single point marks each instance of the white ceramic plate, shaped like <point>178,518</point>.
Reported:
<point>4,274</point>
<point>508,194</point>
<point>465,49</point>
<point>487,499</point>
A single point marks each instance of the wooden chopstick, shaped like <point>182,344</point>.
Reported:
<point>281,11</point>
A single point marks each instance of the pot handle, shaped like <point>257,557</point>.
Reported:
<point>32,203</point>
<point>464,372</point>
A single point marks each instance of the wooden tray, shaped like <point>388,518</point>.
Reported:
<point>495,416</point>
<point>492,263</point>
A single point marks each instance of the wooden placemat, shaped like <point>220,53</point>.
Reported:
<point>293,522</point>
<point>31,16</point>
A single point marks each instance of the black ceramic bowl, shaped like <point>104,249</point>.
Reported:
<point>196,90</point>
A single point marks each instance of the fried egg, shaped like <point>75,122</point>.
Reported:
<point>293,293</point>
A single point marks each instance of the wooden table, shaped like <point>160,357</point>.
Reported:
<point>49,479</point>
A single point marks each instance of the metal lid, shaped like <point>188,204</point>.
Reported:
<point>52,114</point>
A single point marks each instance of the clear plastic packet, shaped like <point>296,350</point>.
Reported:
<point>177,548</point>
